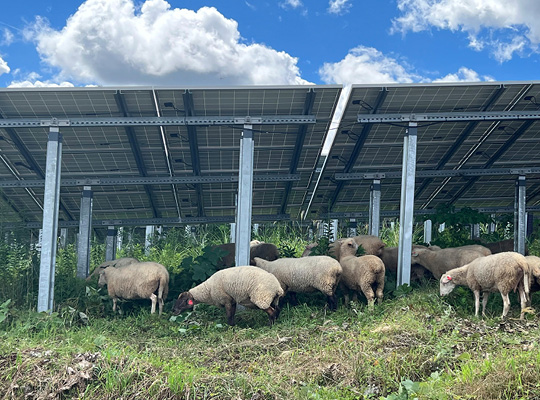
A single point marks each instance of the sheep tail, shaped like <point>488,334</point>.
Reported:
<point>378,268</point>
<point>162,287</point>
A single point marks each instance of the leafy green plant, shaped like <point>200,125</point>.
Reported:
<point>407,389</point>
<point>4,310</point>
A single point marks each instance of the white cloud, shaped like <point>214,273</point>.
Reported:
<point>365,65</point>
<point>291,3</point>
<point>464,74</point>
<point>7,37</point>
<point>38,83</point>
<point>338,7</point>
<point>505,27</point>
<point>111,42</point>
<point>4,68</point>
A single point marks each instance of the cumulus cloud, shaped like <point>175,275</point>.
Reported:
<point>39,84</point>
<point>366,65</point>
<point>464,74</point>
<point>291,3</point>
<point>113,42</point>
<point>338,7</point>
<point>4,68</point>
<point>505,27</point>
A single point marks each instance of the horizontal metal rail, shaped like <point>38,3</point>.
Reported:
<point>448,117</point>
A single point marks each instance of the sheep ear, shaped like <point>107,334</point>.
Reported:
<point>446,279</point>
<point>414,253</point>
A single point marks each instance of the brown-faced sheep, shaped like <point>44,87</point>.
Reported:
<point>248,286</point>
<point>503,246</point>
<point>118,263</point>
<point>390,259</point>
<point>304,275</point>
<point>501,272</point>
<point>142,280</point>
<point>476,247</point>
<point>364,273</point>
<point>440,261</point>
<point>267,251</point>
<point>372,245</point>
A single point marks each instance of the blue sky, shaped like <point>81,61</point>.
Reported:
<point>208,43</point>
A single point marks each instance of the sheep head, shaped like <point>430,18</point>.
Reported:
<point>347,247</point>
<point>184,302</point>
<point>447,284</point>
<point>102,278</point>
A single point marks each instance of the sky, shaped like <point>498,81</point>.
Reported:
<point>282,42</point>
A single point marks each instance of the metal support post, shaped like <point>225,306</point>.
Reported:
<point>519,215</point>
<point>63,237</point>
<point>256,229</point>
<point>119,238</point>
<point>51,204</point>
<point>85,228</point>
<point>245,196</point>
<point>334,229</point>
<point>407,204</point>
<point>375,207</point>
<point>492,225</point>
<point>475,231</point>
<point>110,248</point>
<point>149,235</point>
<point>233,232</point>
<point>428,225</point>
<point>352,227</point>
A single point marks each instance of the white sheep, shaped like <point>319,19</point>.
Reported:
<point>501,272</point>
<point>306,274</point>
<point>142,280</point>
<point>118,263</point>
<point>248,286</point>
<point>534,265</point>
<point>364,273</point>
<point>476,247</point>
<point>440,261</point>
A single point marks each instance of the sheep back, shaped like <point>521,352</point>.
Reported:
<point>249,286</point>
<point>503,246</point>
<point>440,261</point>
<point>267,251</point>
<point>305,274</point>
<point>118,263</point>
<point>371,244</point>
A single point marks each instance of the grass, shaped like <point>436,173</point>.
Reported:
<point>422,339</point>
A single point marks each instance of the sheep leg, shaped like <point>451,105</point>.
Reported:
<point>153,299</point>
<point>485,297</point>
<point>368,292</point>
<point>230,309</point>
<point>524,302</point>
<point>506,304</point>
<point>292,299</point>
<point>332,302</point>
<point>160,302</point>
<point>476,302</point>
<point>114,301</point>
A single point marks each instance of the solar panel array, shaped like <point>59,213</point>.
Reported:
<point>378,148</point>
<point>91,152</point>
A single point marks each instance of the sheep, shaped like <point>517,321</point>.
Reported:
<point>390,259</point>
<point>245,285</point>
<point>364,273</point>
<point>501,272</point>
<point>118,263</point>
<point>502,246</point>
<point>534,265</point>
<point>141,280</point>
<point>306,275</point>
<point>372,245</point>
<point>308,249</point>
<point>476,247</point>
<point>439,261</point>
<point>268,251</point>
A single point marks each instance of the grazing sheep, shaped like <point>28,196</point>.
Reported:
<point>440,261</point>
<point>501,272</point>
<point>268,251</point>
<point>390,259</point>
<point>248,286</point>
<point>502,246</point>
<point>534,265</point>
<point>141,280</point>
<point>306,275</point>
<point>118,263</point>
<point>308,249</point>
<point>365,273</point>
<point>372,245</point>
